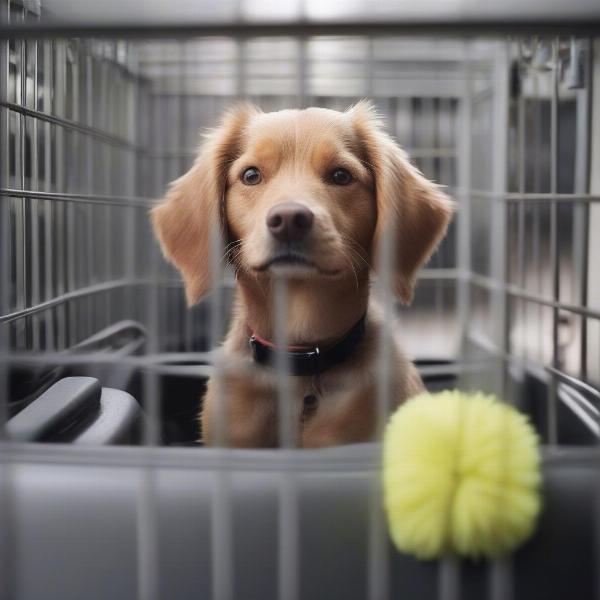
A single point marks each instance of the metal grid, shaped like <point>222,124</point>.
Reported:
<point>93,130</point>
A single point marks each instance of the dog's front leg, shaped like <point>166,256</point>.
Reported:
<point>249,414</point>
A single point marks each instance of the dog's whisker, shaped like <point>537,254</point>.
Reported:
<point>359,255</point>
<point>233,249</point>
<point>232,244</point>
<point>348,261</point>
<point>355,250</point>
<point>230,253</point>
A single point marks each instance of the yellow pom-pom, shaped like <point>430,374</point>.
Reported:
<point>461,474</point>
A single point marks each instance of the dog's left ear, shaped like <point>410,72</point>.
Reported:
<point>409,206</point>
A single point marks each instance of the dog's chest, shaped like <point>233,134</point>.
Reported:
<point>329,387</point>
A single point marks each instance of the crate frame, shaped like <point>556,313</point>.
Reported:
<point>497,285</point>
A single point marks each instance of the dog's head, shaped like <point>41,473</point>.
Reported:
<point>301,194</point>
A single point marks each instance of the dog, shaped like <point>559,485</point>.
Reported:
<point>305,196</point>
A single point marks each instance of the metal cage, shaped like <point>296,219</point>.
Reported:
<point>100,110</point>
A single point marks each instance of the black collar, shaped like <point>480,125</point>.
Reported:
<point>310,360</point>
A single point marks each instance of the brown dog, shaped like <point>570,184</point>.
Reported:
<point>305,195</point>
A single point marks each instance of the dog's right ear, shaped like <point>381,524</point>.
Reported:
<point>190,214</point>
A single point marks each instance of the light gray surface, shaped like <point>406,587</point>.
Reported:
<point>118,416</point>
<point>194,11</point>
<point>75,527</point>
<point>78,409</point>
<point>60,405</point>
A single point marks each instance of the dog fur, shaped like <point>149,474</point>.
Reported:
<point>296,152</point>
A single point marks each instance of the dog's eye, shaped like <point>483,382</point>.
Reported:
<point>251,176</point>
<point>341,177</point>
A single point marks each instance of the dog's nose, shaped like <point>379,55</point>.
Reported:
<point>289,221</point>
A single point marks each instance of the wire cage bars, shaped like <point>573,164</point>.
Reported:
<point>93,127</point>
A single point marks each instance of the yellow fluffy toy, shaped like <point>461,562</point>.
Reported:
<point>461,475</point>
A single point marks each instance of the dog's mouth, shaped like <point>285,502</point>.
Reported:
<point>293,261</point>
